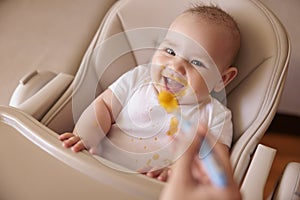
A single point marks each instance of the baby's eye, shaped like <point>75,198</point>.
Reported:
<point>197,63</point>
<point>170,51</point>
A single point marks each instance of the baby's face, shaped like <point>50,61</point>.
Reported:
<point>191,58</point>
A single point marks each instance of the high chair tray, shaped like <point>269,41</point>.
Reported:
<point>50,171</point>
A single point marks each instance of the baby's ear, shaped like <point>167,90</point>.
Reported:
<point>227,76</point>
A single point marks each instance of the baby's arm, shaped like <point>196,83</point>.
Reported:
<point>93,124</point>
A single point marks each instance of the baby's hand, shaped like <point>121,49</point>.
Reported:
<point>72,141</point>
<point>161,174</point>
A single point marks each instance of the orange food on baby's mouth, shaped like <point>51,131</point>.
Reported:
<point>168,101</point>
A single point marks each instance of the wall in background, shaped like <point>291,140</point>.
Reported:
<point>288,13</point>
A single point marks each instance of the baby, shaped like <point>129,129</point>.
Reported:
<point>126,123</point>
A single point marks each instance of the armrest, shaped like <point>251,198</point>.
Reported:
<point>289,186</point>
<point>38,91</point>
<point>258,172</point>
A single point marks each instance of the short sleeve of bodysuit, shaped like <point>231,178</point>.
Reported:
<point>124,87</point>
<point>221,125</point>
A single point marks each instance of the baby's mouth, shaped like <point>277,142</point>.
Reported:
<point>173,85</point>
<point>174,82</point>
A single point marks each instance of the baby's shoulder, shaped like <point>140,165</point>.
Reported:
<point>214,105</point>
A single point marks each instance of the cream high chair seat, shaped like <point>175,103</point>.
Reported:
<point>30,150</point>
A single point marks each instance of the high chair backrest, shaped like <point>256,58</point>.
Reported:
<point>262,62</point>
<point>44,35</point>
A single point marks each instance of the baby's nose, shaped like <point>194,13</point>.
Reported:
<point>178,65</point>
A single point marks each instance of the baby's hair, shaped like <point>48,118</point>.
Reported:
<point>216,15</point>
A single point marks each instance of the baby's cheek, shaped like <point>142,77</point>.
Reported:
<point>156,71</point>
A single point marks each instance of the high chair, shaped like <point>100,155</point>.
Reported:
<point>34,165</point>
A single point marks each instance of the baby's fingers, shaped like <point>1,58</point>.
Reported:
<point>154,174</point>
<point>78,146</point>
<point>161,174</point>
<point>164,175</point>
<point>65,136</point>
<point>71,141</point>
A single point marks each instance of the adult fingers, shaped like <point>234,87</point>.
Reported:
<point>183,165</point>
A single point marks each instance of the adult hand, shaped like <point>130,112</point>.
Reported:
<point>189,181</point>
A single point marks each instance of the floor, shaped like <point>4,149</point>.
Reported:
<point>283,135</point>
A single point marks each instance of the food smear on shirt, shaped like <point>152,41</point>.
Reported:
<point>155,156</point>
<point>169,102</point>
<point>173,126</point>
<point>148,162</point>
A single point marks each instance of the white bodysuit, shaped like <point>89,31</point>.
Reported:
<point>141,138</point>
